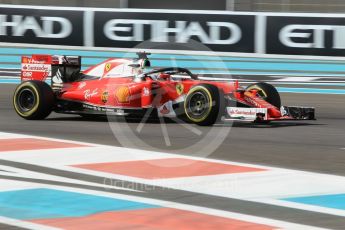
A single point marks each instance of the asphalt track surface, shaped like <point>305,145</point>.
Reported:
<point>315,146</point>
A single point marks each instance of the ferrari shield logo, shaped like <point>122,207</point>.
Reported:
<point>107,67</point>
<point>105,96</point>
<point>179,89</point>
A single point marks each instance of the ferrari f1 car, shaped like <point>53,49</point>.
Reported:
<point>130,87</point>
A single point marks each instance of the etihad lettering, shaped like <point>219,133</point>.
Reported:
<point>160,31</point>
<point>42,27</point>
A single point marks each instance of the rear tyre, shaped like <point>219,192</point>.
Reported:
<point>204,104</point>
<point>33,100</point>
<point>267,92</point>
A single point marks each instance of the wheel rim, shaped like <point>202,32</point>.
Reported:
<point>26,100</point>
<point>198,105</point>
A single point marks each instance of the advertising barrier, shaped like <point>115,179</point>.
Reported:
<point>321,36</point>
<point>233,33</point>
<point>220,31</point>
<point>44,26</point>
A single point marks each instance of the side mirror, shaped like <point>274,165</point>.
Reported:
<point>134,65</point>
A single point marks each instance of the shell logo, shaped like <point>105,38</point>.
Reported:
<point>122,94</point>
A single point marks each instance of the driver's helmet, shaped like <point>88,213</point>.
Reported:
<point>142,64</point>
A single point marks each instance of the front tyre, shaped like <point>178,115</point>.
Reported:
<point>204,104</point>
<point>267,92</point>
<point>33,100</point>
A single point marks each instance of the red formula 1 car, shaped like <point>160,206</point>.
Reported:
<point>124,87</point>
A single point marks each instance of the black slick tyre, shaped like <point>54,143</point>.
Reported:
<point>267,92</point>
<point>204,104</point>
<point>33,100</point>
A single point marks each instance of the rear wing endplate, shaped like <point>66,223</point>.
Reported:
<point>43,67</point>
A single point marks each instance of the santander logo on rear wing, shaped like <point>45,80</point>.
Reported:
<point>37,67</point>
<point>40,66</point>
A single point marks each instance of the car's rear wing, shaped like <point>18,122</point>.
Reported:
<point>36,67</point>
<point>59,68</point>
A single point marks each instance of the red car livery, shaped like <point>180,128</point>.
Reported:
<point>129,87</point>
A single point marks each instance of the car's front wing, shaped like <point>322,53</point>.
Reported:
<point>262,114</point>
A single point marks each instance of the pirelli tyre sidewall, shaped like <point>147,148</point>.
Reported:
<point>33,100</point>
<point>268,92</point>
<point>203,104</point>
